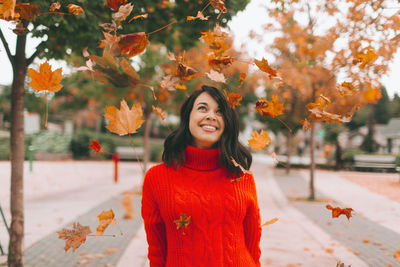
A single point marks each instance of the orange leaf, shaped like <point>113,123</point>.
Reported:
<point>129,213</point>
<point>75,237</point>
<point>105,218</point>
<point>27,11</point>
<point>199,16</point>
<point>396,255</point>
<point>55,6</point>
<point>329,250</point>
<point>95,146</point>
<point>123,12</point>
<point>114,4</point>
<point>124,121</point>
<point>134,43</point>
<point>181,87</point>
<point>75,9</point>
<point>270,109</point>
<point>219,4</point>
<point>216,76</point>
<point>233,99</point>
<point>260,140</point>
<point>159,112</point>
<point>7,9</point>
<point>372,95</point>
<point>220,62</point>
<point>336,212</point>
<point>183,221</point>
<point>46,79</point>
<point>367,58</point>
<point>263,66</point>
<point>306,124</point>
<point>216,40</point>
<point>274,220</point>
<point>242,77</point>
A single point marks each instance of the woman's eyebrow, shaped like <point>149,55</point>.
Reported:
<point>202,103</point>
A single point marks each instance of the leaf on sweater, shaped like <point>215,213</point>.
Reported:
<point>75,237</point>
<point>183,221</point>
<point>124,121</point>
<point>105,218</point>
<point>336,212</point>
<point>95,145</point>
<point>274,220</point>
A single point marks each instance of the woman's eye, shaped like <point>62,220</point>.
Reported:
<point>201,108</point>
<point>219,112</point>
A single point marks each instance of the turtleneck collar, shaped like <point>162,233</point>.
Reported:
<point>201,159</point>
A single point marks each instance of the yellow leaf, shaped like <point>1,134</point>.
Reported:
<point>75,9</point>
<point>124,121</point>
<point>46,79</point>
<point>105,218</point>
<point>274,220</point>
<point>260,140</point>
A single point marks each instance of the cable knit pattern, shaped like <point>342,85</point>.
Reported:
<point>225,226</point>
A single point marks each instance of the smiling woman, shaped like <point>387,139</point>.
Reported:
<point>199,209</point>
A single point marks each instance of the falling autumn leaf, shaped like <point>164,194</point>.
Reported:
<point>159,112</point>
<point>372,95</point>
<point>306,124</point>
<point>219,4</point>
<point>181,87</point>
<point>274,220</point>
<point>270,109</point>
<point>27,11</point>
<point>143,16</point>
<point>75,237</point>
<point>134,43</point>
<point>169,83</point>
<point>183,221</point>
<point>114,4</point>
<point>123,12</point>
<point>336,212</point>
<point>263,66</point>
<point>45,79</point>
<point>219,63</point>
<point>367,58</point>
<point>55,6</point>
<point>124,121</point>
<point>75,9</point>
<point>105,218</point>
<point>199,16</point>
<point>129,213</point>
<point>216,76</point>
<point>95,145</point>
<point>242,77</point>
<point>242,169</point>
<point>7,9</point>
<point>233,99</point>
<point>259,140</point>
<point>216,40</point>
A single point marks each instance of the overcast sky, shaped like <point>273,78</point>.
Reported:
<point>252,18</point>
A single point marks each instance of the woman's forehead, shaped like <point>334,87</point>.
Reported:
<point>206,99</point>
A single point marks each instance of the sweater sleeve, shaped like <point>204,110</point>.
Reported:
<point>153,224</point>
<point>252,224</point>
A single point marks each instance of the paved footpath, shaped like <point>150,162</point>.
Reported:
<point>304,235</point>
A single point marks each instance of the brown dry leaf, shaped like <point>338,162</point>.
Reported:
<point>124,121</point>
<point>105,218</point>
<point>259,140</point>
<point>219,4</point>
<point>243,170</point>
<point>159,112</point>
<point>169,82</point>
<point>7,9</point>
<point>75,9</point>
<point>341,264</point>
<point>322,115</point>
<point>263,66</point>
<point>27,11</point>
<point>75,237</point>
<point>114,4</point>
<point>336,212</point>
<point>306,124</point>
<point>216,76</point>
<point>274,220</point>
<point>123,12</point>
<point>134,43</point>
<point>199,16</point>
<point>233,99</point>
<point>45,79</point>
<point>55,6</point>
<point>270,109</point>
<point>221,62</point>
<point>129,213</point>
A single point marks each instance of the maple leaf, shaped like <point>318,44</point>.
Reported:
<point>219,4</point>
<point>199,16</point>
<point>129,213</point>
<point>27,11</point>
<point>372,95</point>
<point>123,12</point>
<point>366,58</point>
<point>220,62</point>
<point>46,79</point>
<point>270,109</point>
<point>95,145</point>
<point>306,124</point>
<point>75,237</point>
<point>233,99</point>
<point>263,66</point>
<point>7,9</point>
<point>169,82</point>
<point>134,43</point>
<point>336,212</point>
<point>216,40</point>
<point>159,112</point>
<point>274,220</point>
<point>114,4</point>
<point>105,218</point>
<point>55,6</point>
<point>75,9</point>
<point>259,140</point>
<point>124,121</point>
<point>216,76</point>
<point>242,77</point>
<point>183,221</point>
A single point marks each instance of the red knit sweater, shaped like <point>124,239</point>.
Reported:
<point>224,228</point>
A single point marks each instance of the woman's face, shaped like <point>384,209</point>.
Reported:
<point>206,123</point>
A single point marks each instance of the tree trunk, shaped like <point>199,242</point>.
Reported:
<point>289,151</point>
<point>312,163</point>
<point>15,256</point>
<point>146,138</point>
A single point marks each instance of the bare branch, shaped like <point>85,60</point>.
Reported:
<point>7,48</point>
